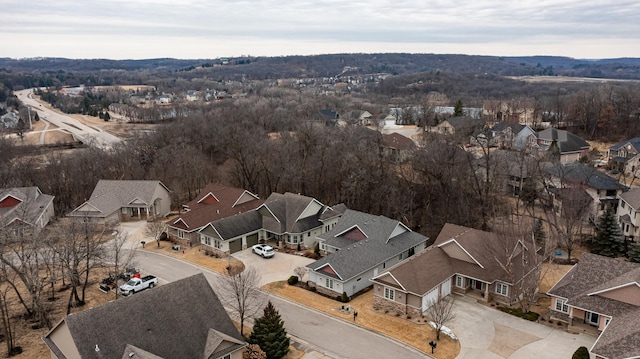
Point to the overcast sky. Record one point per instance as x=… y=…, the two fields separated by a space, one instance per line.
x=136 y=29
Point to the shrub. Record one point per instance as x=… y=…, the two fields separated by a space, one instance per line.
x=344 y=298
x=531 y=316
x=292 y=280
x=313 y=289
x=581 y=353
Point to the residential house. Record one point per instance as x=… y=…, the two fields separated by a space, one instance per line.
x=290 y=219
x=462 y=260
x=627 y=213
x=191 y=95
x=151 y=324
x=515 y=111
x=563 y=144
x=113 y=201
x=164 y=99
x=326 y=117
x=604 y=294
x=510 y=172
x=511 y=136
x=20 y=206
x=396 y=147
x=214 y=202
x=474 y=112
x=461 y=127
x=358 y=117
x=623 y=156
x=603 y=189
x=359 y=247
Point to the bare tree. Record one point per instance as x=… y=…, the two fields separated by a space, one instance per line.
x=155 y=229
x=300 y=272
x=240 y=290
x=118 y=256
x=441 y=312
x=5 y=313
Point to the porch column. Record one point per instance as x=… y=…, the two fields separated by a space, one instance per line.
x=147 y=212
x=139 y=214
x=486 y=292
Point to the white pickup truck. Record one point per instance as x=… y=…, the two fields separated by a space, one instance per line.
x=137 y=284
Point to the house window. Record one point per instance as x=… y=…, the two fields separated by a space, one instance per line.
x=308 y=234
x=606 y=321
x=501 y=289
x=217 y=244
x=124 y=210
x=329 y=283
x=389 y=293
x=622 y=204
x=180 y=233
x=561 y=305
x=459 y=281
x=207 y=241
x=228 y=356
x=400 y=257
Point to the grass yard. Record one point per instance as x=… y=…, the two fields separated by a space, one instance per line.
x=415 y=334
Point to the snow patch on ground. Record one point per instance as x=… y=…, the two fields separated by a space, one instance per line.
x=444 y=330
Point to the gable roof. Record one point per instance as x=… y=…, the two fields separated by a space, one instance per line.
x=397 y=141
x=583 y=285
x=632 y=197
x=424 y=271
x=229 y=201
x=150 y=321
x=110 y=195
x=567 y=141
x=579 y=173
x=234 y=226
x=634 y=142
x=26 y=204
x=282 y=213
x=356 y=256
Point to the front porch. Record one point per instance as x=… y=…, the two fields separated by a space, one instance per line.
x=578 y=326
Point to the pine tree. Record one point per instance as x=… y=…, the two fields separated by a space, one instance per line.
x=634 y=252
x=581 y=353
x=458 y=110
x=608 y=241
x=269 y=333
x=538 y=234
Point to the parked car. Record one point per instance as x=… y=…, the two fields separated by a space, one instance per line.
x=137 y=284
x=263 y=250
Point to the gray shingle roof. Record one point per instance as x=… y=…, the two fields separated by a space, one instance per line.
x=356 y=257
x=579 y=173
x=235 y=226
x=567 y=141
x=632 y=197
x=592 y=274
x=110 y=195
x=287 y=208
x=33 y=206
x=155 y=321
x=635 y=142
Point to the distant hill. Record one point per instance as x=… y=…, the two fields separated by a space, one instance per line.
x=348 y=64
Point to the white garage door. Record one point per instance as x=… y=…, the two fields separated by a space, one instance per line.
x=430 y=298
x=446 y=288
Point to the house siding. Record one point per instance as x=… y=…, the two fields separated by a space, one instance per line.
x=64 y=341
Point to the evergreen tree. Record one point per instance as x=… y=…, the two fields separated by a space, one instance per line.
x=269 y=333
x=458 y=110
x=634 y=252
x=581 y=353
x=608 y=241
x=538 y=234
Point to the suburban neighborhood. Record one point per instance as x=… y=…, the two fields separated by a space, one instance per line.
x=240 y=209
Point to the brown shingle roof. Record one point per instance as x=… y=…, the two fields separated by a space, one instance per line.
x=595 y=273
x=229 y=201
x=421 y=273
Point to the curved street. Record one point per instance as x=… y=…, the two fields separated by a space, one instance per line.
x=88 y=135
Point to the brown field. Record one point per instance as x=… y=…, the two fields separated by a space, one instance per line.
x=565 y=79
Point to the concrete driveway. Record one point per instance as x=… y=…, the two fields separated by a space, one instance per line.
x=279 y=267
x=487 y=333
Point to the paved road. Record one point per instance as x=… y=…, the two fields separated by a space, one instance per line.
x=86 y=134
x=333 y=337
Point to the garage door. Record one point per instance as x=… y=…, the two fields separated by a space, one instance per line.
x=235 y=245
x=446 y=288
x=252 y=239
x=430 y=298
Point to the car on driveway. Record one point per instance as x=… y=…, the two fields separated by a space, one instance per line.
x=263 y=250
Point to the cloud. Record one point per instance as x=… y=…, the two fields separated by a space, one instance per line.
x=331 y=24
